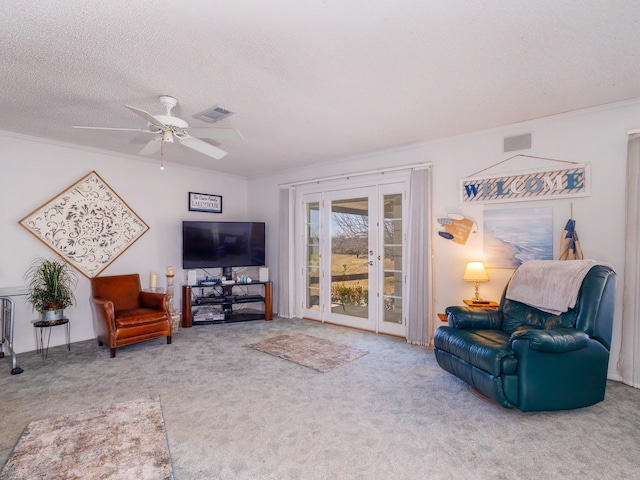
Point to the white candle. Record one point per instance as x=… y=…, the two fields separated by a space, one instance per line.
x=152 y=280
x=169 y=271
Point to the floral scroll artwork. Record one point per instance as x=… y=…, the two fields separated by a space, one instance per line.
x=88 y=224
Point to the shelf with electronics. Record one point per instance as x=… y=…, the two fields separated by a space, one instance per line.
x=217 y=302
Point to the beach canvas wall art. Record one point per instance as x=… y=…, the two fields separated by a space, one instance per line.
x=513 y=236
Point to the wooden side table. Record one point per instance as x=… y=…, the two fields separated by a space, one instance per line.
x=485 y=304
x=474 y=304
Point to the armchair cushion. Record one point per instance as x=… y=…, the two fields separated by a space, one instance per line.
x=138 y=316
x=516 y=314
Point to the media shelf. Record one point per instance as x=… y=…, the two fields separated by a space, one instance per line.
x=211 y=304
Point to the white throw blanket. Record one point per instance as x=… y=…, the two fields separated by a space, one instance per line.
x=549 y=285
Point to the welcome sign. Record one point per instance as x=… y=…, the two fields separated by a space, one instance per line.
x=540 y=184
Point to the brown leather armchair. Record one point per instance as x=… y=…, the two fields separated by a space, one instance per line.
x=124 y=314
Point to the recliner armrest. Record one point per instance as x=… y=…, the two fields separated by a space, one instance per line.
x=557 y=340
x=471 y=317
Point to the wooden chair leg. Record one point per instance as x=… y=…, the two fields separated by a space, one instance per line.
x=113 y=353
x=168 y=339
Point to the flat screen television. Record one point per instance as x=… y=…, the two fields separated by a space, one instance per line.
x=223 y=245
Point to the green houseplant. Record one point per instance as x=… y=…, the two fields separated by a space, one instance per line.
x=50 y=285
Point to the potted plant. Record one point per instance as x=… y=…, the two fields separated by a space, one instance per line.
x=50 y=285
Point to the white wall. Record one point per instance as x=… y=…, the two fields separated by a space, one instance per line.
x=34 y=171
x=597 y=136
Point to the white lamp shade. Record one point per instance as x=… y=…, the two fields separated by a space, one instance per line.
x=475 y=272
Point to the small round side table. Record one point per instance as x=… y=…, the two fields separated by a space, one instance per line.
x=39 y=332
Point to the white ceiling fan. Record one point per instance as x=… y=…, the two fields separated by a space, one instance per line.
x=166 y=128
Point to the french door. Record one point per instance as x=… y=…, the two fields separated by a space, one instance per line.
x=354 y=257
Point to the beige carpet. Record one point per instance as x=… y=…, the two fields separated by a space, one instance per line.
x=123 y=441
x=235 y=413
x=317 y=353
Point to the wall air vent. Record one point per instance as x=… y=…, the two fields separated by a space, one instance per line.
x=214 y=114
x=519 y=142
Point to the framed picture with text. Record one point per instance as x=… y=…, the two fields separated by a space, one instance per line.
x=203 y=202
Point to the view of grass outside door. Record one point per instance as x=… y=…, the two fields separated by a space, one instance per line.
x=350 y=257
x=354 y=262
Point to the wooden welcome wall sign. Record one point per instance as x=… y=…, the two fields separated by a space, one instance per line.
x=539 y=184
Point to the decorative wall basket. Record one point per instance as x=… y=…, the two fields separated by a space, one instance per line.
x=88 y=224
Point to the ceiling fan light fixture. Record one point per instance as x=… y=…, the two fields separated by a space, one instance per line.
x=166 y=128
x=214 y=114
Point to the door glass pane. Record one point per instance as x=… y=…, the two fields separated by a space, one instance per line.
x=349 y=257
x=313 y=256
x=392 y=260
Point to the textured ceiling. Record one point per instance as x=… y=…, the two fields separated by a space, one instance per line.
x=311 y=81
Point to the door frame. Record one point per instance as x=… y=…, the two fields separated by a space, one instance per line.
x=345 y=186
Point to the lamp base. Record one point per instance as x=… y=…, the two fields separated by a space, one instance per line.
x=477 y=298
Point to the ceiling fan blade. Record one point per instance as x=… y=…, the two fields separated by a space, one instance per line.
x=148 y=117
x=152 y=147
x=115 y=128
x=203 y=147
x=215 y=133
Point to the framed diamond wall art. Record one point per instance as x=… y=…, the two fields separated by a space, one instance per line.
x=88 y=224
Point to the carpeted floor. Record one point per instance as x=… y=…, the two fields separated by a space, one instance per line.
x=119 y=442
x=316 y=353
x=234 y=413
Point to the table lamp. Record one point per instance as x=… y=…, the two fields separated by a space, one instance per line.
x=475 y=272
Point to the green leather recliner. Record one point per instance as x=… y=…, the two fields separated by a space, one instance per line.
x=522 y=357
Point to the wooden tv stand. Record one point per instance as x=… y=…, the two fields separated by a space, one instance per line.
x=221 y=300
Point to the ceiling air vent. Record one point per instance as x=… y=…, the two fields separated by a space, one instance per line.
x=214 y=114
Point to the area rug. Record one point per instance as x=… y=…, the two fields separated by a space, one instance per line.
x=317 y=353
x=123 y=441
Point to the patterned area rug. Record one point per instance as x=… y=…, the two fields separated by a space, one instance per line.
x=317 y=353
x=123 y=441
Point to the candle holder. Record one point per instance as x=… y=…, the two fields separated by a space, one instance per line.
x=170 y=292
x=175 y=315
